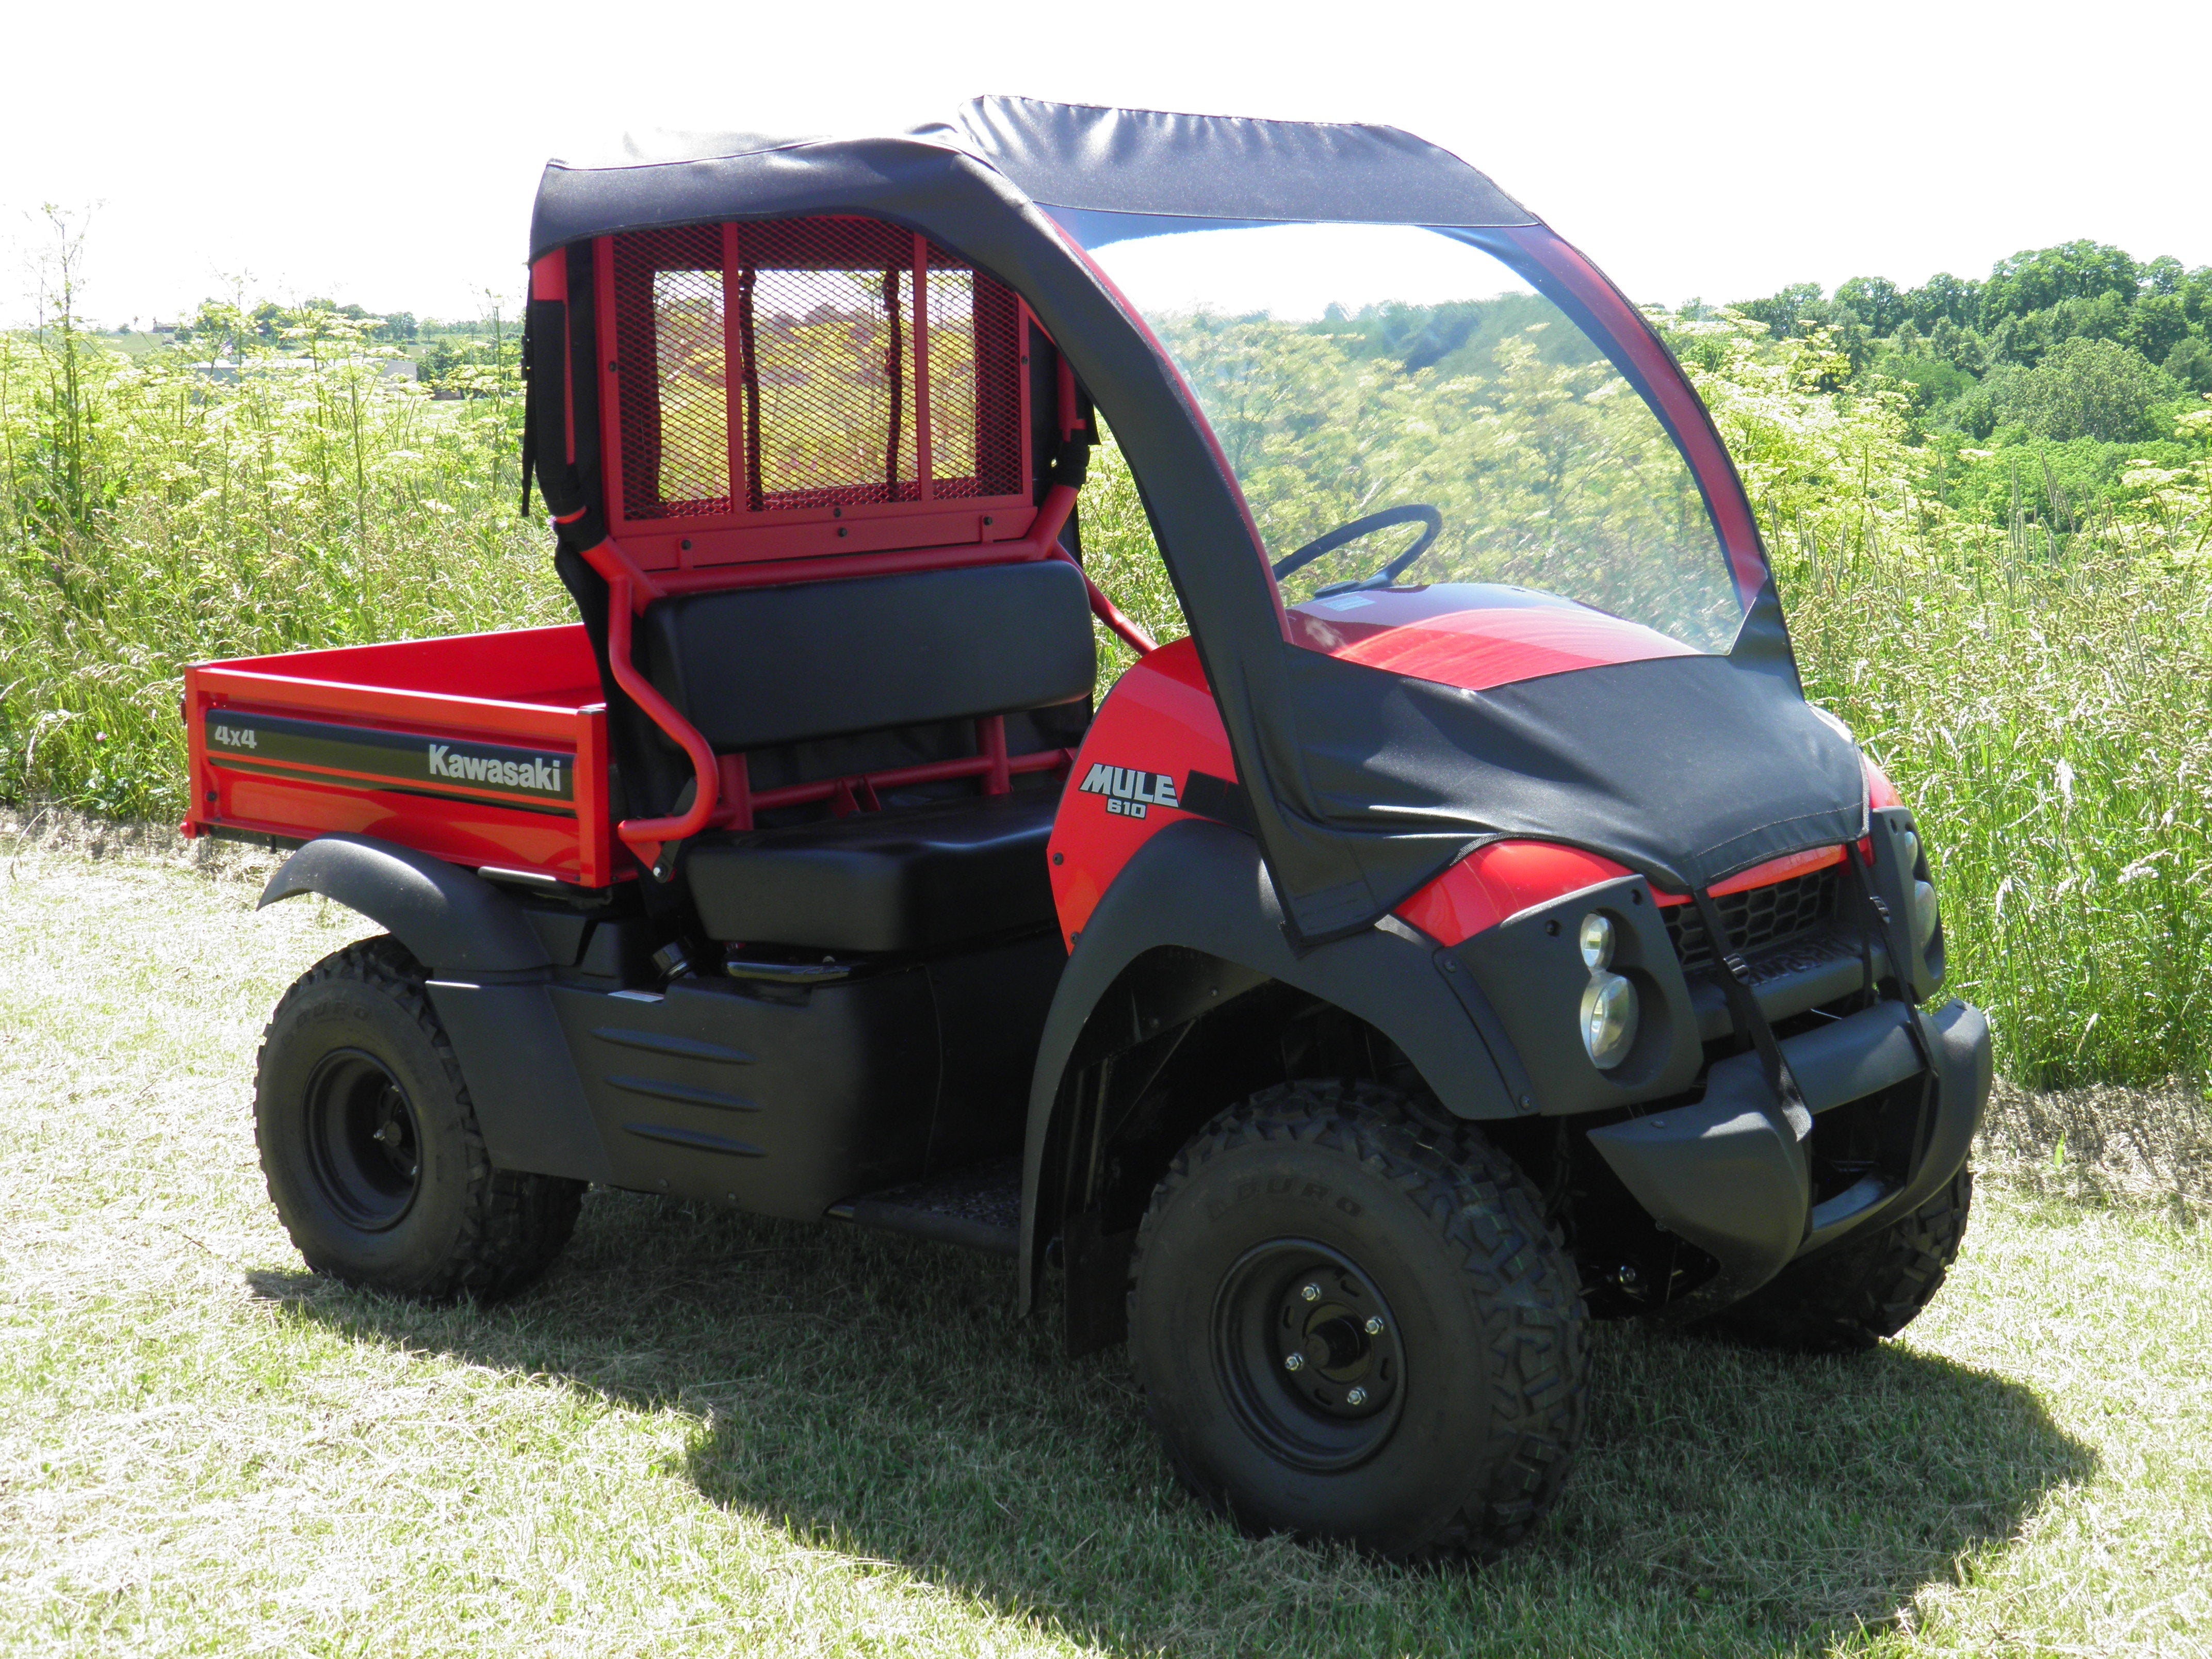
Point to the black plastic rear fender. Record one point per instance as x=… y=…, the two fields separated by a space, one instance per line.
x=1201 y=886
x=454 y=921
x=490 y=982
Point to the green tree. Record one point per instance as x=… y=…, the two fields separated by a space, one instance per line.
x=2156 y=323
x=1962 y=348
x=1944 y=298
x=2037 y=279
x=1876 y=303
x=2098 y=317
x=2190 y=363
x=2022 y=339
x=2085 y=388
x=1929 y=382
x=1797 y=309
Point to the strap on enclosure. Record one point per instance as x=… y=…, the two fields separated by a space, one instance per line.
x=1750 y=1018
x=1884 y=926
x=544 y=416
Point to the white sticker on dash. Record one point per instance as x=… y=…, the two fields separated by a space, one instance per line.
x=1349 y=602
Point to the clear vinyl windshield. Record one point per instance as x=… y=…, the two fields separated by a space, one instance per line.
x=1402 y=410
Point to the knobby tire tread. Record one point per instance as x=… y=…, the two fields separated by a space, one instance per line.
x=513 y=1223
x=1480 y=1206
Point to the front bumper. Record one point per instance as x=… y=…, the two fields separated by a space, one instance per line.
x=1732 y=1175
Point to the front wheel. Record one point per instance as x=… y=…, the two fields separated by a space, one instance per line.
x=1345 y=1329
x=370 y=1146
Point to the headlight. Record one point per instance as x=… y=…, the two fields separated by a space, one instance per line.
x=1596 y=940
x=1608 y=1019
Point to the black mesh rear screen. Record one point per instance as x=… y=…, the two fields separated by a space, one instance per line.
x=852 y=383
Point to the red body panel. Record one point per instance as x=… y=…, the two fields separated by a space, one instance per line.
x=1497 y=882
x=1158 y=722
x=358 y=722
x=1880 y=792
x=1501 y=880
x=1437 y=633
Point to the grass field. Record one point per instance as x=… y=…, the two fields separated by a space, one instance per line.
x=704 y=1434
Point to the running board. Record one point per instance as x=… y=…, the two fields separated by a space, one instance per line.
x=979 y=1207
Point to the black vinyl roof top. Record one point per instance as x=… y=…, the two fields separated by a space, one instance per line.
x=1063 y=155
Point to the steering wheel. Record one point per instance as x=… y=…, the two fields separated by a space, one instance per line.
x=1346 y=533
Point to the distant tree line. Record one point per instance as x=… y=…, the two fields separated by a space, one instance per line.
x=2077 y=341
x=448 y=353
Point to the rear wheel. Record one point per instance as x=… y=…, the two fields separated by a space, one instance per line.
x=370 y=1145
x=1345 y=1328
x=1865 y=1289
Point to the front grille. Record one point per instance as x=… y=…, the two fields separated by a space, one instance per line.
x=1756 y=917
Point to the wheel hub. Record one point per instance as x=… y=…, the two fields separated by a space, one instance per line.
x=1308 y=1354
x=364 y=1147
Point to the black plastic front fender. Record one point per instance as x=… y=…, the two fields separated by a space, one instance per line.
x=1201 y=886
x=490 y=981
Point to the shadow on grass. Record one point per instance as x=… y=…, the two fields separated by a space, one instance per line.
x=879 y=1398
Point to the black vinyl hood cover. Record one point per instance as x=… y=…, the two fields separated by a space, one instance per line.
x=1687 y=769
x=1364 y=784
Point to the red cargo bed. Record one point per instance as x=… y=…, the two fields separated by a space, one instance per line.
x=488 y=750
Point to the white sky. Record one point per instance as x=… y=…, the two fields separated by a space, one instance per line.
x=387 y=155
x=1297 y=271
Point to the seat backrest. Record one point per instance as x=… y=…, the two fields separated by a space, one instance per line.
x=755 y=667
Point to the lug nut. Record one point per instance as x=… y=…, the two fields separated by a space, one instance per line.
x=1294 y=1362
x=1312 y=1293
x=1374 y=1325
x=1356 y=1397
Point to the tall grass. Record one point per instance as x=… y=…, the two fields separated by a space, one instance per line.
x=160 y=511
x=2042 y=696
x=2052 y=726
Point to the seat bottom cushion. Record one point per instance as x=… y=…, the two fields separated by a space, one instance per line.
x=917 y=879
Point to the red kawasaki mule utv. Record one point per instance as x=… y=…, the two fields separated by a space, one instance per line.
x=1469 y=929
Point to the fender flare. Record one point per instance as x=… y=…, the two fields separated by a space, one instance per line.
x=1203 y=886
x=457 y=923
x=490 y=981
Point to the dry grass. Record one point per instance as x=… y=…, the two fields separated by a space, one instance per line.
x=2143 y=1149
x=707 y=1434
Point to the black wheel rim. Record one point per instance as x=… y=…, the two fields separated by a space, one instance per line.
x=363 y=1145
x=1309 y=1354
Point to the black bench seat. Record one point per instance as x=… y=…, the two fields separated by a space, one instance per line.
x=918 y=879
